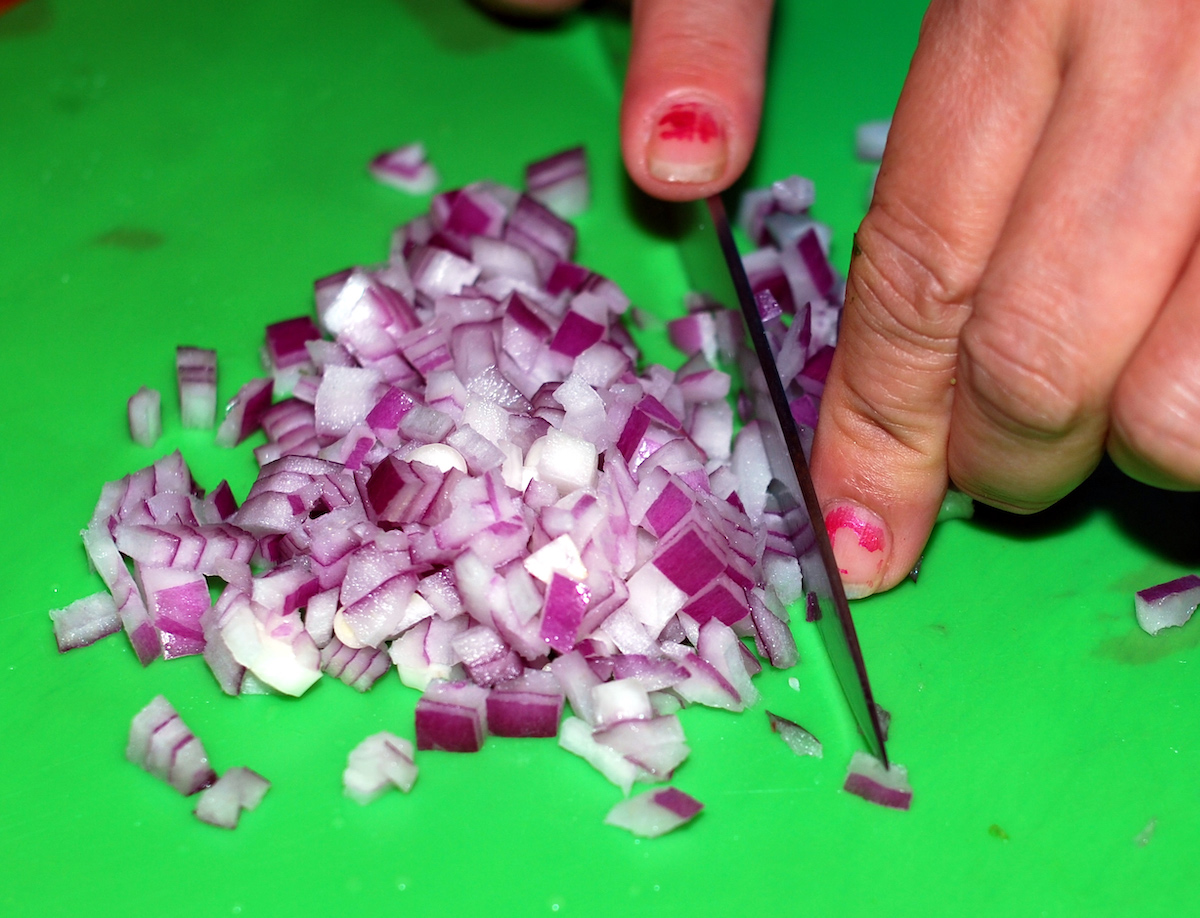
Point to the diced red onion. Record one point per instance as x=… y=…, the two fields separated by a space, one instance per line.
x=243 y=416
x=473 y=479
x=560 y=182
x=196 y=375
x=867 y=778
x=452 y=716
x=528 y=705
x=654 y=812
x=575 y=736
x=85 y=621
x=1167 y=605
x=161 y=743
x=380 y=762
x=145 y=417
x=870 y=138
x=238 y=789
x=799 y=740
x=406 y=168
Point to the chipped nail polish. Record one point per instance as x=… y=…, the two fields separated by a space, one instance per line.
x=687 y=145
x=860 y=544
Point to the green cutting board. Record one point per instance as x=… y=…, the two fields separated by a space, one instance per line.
x=178 y=173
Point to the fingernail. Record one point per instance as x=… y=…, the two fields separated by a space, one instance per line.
x=861 y=544
x=687 y=145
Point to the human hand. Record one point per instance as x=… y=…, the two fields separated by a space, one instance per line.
x=1025 y=291
x=693 y=91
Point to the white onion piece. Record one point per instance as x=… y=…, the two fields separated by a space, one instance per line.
x=560 y=182
x=558 y=556
x=275 y=649
x=238 y=789
x=654 y=812
x=85 y=621
x=656 y=745
x=380 y=762
x=145 y=416
x=870 y=138
x=575 y=736
x=439 y=455
x=196 y=375
x=620 y=700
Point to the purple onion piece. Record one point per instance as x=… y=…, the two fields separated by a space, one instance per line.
x=196 y=375
x=867 y=778
x=655 y=812
x=1167 y=605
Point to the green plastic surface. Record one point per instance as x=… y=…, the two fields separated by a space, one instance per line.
x=178 y=173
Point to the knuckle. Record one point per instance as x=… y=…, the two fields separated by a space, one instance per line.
x=1025 y=377
x=1160 y=425
x=905 y=277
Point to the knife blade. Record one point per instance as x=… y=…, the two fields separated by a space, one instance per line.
x=714 y=269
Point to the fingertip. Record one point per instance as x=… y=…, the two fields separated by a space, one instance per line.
x=693 y=94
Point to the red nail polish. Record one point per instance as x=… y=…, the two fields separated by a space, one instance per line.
x=843 y=516
x=861 y=545
x=691 y=123
x=687 y=145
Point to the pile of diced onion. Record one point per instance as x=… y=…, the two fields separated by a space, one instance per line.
x=468 y=479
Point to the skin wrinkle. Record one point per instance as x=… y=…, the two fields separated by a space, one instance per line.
x=1016 y=366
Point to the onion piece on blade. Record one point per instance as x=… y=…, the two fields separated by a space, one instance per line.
x=1167 y=605
x=867 y=778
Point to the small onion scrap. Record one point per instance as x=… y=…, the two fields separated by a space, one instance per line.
x=654 y=812
x=381 y=761
x=406 y=168
x=867 y=778
x=145 y=416
x=1167 y=605
x=238 y=789
x=799 y=740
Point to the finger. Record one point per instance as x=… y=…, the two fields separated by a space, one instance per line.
x=981 y=85
x=693 y=93
x=1155 y=431
x=530 y=8
x=1098 y=235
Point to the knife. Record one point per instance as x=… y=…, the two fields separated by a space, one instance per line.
x=714 y=268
